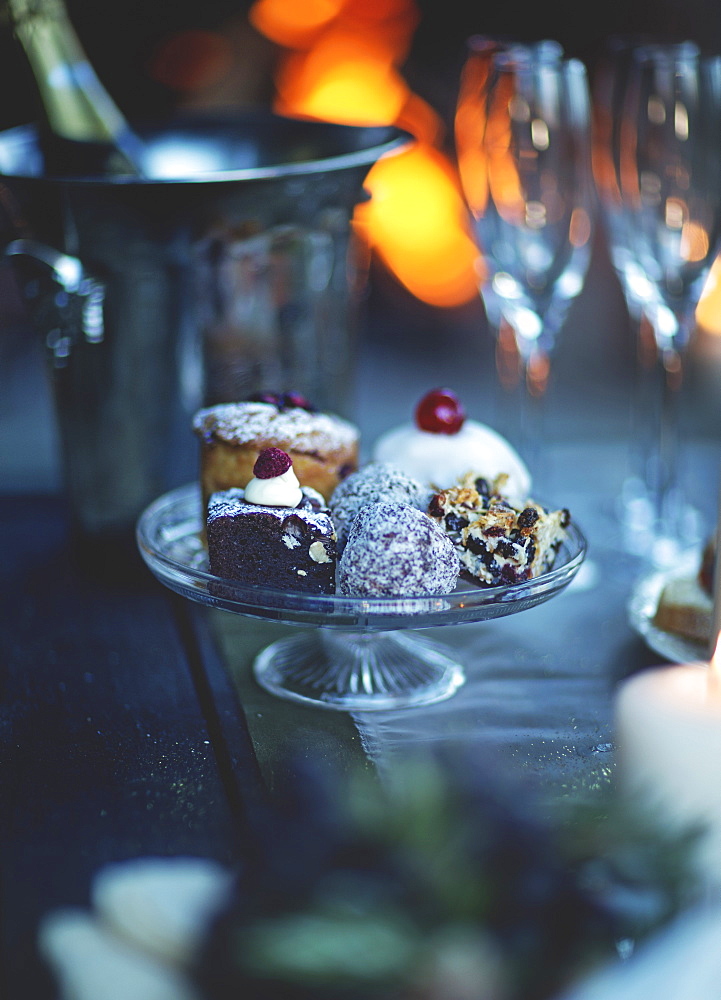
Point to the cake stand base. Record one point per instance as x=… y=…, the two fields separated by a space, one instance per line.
x=358 y=671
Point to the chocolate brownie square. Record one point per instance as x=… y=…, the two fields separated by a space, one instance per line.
x=286 y=548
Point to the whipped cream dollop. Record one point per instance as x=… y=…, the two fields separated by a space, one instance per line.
x=279 y=491
x=439 y=460
x=274 y=483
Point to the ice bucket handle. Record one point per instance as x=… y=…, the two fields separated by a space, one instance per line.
x=78 y=291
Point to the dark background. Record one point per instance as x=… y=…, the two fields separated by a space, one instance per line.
x=122 y=40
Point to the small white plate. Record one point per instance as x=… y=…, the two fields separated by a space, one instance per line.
x=642 y=608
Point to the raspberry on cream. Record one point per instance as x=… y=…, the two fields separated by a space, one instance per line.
x=274 y=483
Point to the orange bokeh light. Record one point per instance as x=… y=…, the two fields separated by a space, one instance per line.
x=424 y=241
x=708 y=311
x=343 y=78
x=470 y=126
x=342 y=64
x=291 y=24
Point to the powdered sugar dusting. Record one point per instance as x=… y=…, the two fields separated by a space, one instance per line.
x=374 y=482
x=395 y=550
x=227 y=503
x=243 y=423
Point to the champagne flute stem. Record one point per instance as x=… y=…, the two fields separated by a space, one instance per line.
x=667 y=485
x=659 y=522
x=522 y=379
x=643 y=422
x=662 y=462
x=533 y=424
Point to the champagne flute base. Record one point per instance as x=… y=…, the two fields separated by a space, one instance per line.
x=660 y=531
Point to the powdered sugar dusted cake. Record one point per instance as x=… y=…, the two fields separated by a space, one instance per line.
x=323 y=447
x=372 y=483
x=274 y=533
x=286 y=548
x=395 y=550
x=498 y=541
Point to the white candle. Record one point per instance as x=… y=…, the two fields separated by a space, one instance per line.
x=668 y=734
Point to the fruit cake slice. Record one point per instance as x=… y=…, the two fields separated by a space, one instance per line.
x=498 y=541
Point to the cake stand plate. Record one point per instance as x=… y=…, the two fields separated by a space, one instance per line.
x=361 y=654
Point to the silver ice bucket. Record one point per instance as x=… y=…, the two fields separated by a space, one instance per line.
x=228 y=269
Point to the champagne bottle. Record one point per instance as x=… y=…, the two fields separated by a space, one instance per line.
x=87 y=131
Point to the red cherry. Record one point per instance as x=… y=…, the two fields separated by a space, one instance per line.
x=440 y=412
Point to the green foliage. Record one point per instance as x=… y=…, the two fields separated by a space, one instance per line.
x=434 y=885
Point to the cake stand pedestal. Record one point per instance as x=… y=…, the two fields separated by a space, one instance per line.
x=358 y=671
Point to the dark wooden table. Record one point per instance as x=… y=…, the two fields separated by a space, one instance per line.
x=122 y=735
x=123 y=732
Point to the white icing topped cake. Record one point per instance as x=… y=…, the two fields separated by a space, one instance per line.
x=440 y=460
x=243 y=423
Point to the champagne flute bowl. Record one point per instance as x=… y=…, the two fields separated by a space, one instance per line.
x=523 y=142
x=669 y=156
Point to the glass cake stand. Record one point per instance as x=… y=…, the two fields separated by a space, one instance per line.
x=362 y=654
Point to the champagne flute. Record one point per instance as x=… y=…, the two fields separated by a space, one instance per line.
x=608 y=92
x=610 y=80
x=669 y=156
x=523 y=140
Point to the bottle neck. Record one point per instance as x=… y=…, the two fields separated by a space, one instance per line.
x=78 y=108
